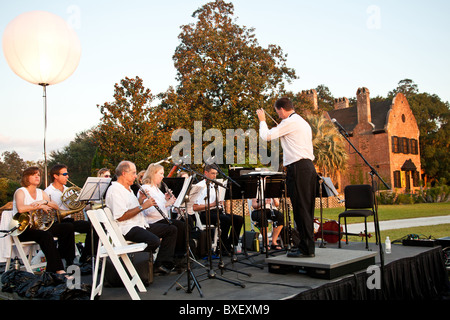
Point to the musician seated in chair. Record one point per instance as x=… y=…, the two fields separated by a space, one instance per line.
x=271 y=213
x=30 y=198
x=152 y=180
x=127 y=211
x=59 y=176
x=201 y=206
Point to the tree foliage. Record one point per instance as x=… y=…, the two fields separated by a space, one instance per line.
x=224 y=74
x=77 y=156
x=329 y=146
x=12 y=166
x=130 y=128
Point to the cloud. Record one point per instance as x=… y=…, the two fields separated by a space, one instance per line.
x=31 y=149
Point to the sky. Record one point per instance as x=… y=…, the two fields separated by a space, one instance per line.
x=343 y=45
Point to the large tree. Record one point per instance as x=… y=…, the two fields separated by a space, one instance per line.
x=77 y=156
x=224 y=74
x=329 y=147
x=130 y=128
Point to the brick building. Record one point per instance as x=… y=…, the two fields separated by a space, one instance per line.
x=386 y=134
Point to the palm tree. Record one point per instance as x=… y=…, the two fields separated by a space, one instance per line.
x=329 y=147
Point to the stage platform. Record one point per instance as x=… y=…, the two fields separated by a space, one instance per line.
x=327 y=263
x=418 y=271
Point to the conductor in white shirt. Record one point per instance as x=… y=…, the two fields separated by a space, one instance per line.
x=296 y=140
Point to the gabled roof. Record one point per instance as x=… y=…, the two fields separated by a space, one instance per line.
x=348 y=117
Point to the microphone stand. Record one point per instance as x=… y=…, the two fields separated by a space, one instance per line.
x=233 y=253
x=211 y=273
x=372 y=173
x=188 y=271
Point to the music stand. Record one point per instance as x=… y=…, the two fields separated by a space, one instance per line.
x=273 y=185
x=175 y=184
x=94 y=190
x=247 y=189
x=325 y=188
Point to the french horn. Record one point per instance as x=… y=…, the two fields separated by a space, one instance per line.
x=70 y=196
x=37 y=220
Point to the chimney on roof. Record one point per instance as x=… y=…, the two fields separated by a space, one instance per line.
x=363 y=105
x=311 y=95
x=341 y=103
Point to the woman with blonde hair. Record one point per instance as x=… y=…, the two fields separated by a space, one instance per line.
x=151 y=184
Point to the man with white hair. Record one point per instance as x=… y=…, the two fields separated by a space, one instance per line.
x=126 y=209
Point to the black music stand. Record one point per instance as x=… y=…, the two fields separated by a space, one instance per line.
x=175 y=184
x=211 y=273
x=94 y=189
x=273 y=185
x=183 y=198
x=247 y=189
x=324 y=188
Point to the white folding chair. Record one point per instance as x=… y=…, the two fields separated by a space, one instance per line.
x=11 y=247
x=152 y=256
x=212 y=229
x=112 y=244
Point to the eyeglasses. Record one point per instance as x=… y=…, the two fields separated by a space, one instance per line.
x=64 y=174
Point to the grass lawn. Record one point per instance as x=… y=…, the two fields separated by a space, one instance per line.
x=386 y=212
x=394 y=212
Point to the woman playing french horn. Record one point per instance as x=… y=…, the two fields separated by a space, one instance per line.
x=30 y=198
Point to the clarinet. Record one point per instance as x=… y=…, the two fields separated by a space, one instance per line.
x=166 y=188
x=156 y=206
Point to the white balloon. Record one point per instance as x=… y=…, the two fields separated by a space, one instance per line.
x=40 y=47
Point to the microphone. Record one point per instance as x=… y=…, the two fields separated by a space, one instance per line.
x=182 y=160
x=164 y=160
x=341 y=128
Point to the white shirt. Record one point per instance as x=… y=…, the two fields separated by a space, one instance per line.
x=119 y=199
x=295 y=135
x=28 y=199
x=201 y=199
x=151 y=214
x=55 y=195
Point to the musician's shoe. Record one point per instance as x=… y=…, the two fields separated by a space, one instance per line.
x=299 y=254
x=163 y=270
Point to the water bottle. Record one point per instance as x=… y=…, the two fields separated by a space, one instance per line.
x=239 y=248
x=256 y=244
x=387 y=245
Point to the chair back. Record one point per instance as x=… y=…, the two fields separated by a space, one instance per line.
x=115 y=226
x=101 y=223
x=358 y=196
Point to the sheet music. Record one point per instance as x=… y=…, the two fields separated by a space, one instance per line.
x=181 y=196
x=330 y=186
x=94 y=188
x=222 y=190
